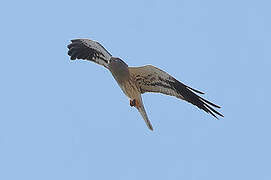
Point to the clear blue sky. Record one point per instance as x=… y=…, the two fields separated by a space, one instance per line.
x=69 y=120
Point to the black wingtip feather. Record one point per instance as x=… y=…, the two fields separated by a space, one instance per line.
x=208 y=102
x=78 y=51
x=75 y=40
x=196 y=100
x=197 y=91
x=211 y=110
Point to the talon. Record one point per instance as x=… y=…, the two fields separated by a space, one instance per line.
x=132 y=102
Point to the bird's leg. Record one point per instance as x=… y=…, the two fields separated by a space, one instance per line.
x=132 y=102
x=135 y=103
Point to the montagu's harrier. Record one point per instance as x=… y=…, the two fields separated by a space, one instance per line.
x=135 y=81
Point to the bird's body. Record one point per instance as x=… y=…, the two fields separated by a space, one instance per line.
x=121 y=73
x=135 y=81
x=128 y=85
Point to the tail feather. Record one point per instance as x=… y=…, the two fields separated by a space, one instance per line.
x=143 y=113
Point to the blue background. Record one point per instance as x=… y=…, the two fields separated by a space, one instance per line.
x=69 y=120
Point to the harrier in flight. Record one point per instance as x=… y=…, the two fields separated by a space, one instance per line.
x=135 y=81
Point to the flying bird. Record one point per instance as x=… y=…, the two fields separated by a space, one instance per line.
x=135 y=81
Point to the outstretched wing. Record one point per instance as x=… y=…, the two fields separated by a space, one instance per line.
x=89 y=50
x=152 y=79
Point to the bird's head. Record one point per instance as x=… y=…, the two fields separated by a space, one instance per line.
x=117 y=62
x=118 y=68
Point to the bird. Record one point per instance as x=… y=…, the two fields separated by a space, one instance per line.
x=135 y=81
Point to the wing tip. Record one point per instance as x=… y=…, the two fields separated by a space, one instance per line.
x=211 y=111
x=197 y=91
x=190 y=95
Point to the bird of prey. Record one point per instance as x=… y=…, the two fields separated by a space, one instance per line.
x=135 y=81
